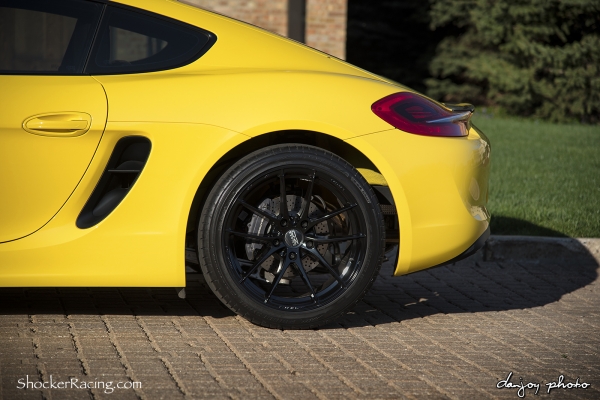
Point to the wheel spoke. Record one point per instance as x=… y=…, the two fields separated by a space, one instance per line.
x=283 y=210
x=344 y=255
x=286 y=264
x=261 y=260
x=330 y=215
x=324 y=262
x=306 y=279
x=251 y=236
x=259 y=212
x=336 y=239
x=326 y=228
x=308 y=196
x=244 y=263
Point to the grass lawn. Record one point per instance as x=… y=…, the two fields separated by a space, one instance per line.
x=545 y=178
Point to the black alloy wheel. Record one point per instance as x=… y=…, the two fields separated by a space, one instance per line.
x=291 y=236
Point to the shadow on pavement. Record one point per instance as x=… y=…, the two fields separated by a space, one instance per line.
x=502 y=225
x=509 y=273
x=114 y=301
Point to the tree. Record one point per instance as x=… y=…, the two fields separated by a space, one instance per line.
x=532 y=57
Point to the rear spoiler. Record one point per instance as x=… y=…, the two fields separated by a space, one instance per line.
x=464 y=112
x=461 y=107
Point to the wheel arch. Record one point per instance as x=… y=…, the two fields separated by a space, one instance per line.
x=318 y=139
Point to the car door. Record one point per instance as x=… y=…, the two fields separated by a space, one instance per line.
x=51 y=115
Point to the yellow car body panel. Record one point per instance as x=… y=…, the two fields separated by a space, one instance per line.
x=250 y=83
x=38 y=179
x=248 y=102
x=440 y=191
x=142 y=243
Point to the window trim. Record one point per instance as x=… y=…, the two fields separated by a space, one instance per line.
x=212 y=38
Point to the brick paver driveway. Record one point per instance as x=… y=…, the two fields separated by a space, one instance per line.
x=450 y=332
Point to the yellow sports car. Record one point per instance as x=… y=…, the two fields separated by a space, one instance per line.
x=137 y=133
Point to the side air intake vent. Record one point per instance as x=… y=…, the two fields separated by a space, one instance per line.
x=123 y=168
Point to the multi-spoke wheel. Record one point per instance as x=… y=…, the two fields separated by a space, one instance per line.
x=291 y=237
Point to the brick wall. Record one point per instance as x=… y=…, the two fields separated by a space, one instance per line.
x=268 y=14
x=325 y=19
x=326 y=26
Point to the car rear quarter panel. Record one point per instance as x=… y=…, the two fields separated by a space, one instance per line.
x=249 y=102
x=440 y=187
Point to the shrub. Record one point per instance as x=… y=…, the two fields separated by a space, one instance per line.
x=531 y=57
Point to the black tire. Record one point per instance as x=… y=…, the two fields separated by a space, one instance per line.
x=299 y=270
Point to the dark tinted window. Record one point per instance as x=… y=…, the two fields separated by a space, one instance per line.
x=129 y=41
x=46 y=37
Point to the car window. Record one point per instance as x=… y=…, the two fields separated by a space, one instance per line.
x=131 y=41
x=46 y=37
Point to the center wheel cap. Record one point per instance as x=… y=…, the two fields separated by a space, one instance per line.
x=294 y=238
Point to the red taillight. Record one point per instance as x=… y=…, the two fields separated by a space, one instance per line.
x=413 y=113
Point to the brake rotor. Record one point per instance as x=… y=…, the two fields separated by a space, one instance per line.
x=259 y=226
